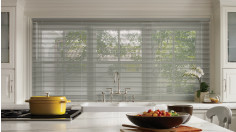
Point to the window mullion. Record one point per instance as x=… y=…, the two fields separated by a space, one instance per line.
x=147 y=63
x=91 y=64
x=173 y=64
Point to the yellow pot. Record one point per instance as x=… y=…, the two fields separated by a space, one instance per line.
x=47 y=105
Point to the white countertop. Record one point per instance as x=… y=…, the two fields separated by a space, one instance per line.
x=196 y=106
x=92 y=122
x=199 y=106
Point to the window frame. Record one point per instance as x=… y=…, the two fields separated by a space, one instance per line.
x=142 y=52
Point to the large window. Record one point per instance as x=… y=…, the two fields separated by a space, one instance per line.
x=78 y=59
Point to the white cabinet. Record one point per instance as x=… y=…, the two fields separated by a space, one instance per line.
x=7 y=37
x=233 y=121
x=226 y=75
x=229 y=85
x=202 y=114
x=7 y=55
x=14 y=44
x=7 y=86
x=228 y=37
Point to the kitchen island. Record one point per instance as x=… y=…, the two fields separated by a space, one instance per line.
x=93 y=122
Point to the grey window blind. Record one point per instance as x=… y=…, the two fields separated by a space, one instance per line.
x=77 y=59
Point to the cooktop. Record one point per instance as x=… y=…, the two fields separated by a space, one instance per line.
x=24 y=115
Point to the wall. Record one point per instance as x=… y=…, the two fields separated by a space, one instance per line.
x=95 y=9
x=119 y=8
x=227 y=2
x=217 y=41
x=19 y=53
x=123 y=9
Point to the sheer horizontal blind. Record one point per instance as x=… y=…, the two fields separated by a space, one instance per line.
x=78 y=59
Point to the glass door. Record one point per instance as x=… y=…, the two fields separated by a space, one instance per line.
x=7 y=37
x=228 y=35
x=231 y=36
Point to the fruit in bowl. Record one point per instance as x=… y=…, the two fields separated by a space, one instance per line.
x=161 y=120
x=158 y=113
x=182 y=108
x=214 y=100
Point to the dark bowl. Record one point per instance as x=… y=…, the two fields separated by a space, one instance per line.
x=182 y=108
x=158 y=122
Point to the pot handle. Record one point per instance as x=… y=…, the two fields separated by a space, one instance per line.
x=68 y=101
x=26 y=100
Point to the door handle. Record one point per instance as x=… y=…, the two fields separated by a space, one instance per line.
x=11 y=87
x=225 y=86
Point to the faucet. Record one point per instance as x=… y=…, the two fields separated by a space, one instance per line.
x=126 y=91
x=133 y=98
x=111 y=93
x=117 y=79
x=103 y=97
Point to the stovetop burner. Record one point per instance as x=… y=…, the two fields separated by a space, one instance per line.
x=13 y=113
x=24 y=114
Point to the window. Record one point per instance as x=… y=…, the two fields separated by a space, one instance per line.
x=77 y=59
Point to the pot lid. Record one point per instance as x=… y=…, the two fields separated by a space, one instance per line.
x=47 y=97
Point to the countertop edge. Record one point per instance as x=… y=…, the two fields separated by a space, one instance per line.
x=196 y=106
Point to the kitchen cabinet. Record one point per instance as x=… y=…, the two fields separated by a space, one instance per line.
x=225 y=55
x=233 y=121
x=7 y=54
x=228 y=37
x=229 y=85
x=7 y=86
x=7 y=36
x=202 y=114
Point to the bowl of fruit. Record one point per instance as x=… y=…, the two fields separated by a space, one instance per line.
x=182 y=108
x=159 y=119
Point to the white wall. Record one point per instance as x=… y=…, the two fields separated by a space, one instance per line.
x=125 y=9
x=119 y=8
x=19 y=55
x=216 y=42
x=227 y=2
x=95 y=9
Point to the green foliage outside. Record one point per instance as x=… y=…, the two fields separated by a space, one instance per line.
x=173 y=51
x=108 y=44
x=73 y=48
x=177 y=47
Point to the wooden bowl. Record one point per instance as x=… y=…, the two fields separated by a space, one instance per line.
x=182 y=108
x=157 y=122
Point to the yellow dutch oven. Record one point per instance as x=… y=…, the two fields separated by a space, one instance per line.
x=47 y=105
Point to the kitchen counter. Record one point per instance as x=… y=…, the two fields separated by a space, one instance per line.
x=196 y=106
x=92 y=122
x=205 y=106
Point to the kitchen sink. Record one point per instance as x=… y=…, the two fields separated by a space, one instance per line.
x=120 y=106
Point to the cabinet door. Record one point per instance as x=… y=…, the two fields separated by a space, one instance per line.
x=7 y=86
x=233 y=121
x=229 y=37
x=7 y=37
x=229 y=85
x=200 y=114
